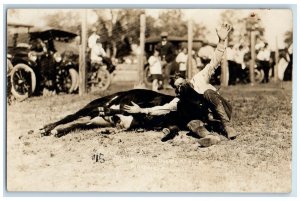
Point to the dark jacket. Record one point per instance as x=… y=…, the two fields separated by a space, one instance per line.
x=166 y=51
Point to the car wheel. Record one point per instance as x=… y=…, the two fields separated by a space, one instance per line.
x=258 y=75
x=101 y=81
x=23 y=81
x=147 y=77
x=74 y=79
x=76 y=86
x=66 y=80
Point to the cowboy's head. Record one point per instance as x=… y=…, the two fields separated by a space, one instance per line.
x=178 y=83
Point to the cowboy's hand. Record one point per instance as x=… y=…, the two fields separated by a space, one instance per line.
x=132 y=109
x=223 y=31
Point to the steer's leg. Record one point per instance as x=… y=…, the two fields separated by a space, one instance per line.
x=81 y=122
x=170 y=133
x=84 y=112
x=70 y=118
x=61 y=129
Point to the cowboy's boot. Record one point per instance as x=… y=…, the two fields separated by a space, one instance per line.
x=197 y=127
x=209 y=140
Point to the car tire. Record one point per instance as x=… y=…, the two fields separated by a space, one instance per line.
x=147 y=76
x=77 y=82
x=258 y=75
x=102 y=81
x=66 y=80
x=74 y=80
x=23 y=81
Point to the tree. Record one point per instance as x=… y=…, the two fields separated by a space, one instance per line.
x=121 y=24
x=66 y=20
x=151 y=29
x=200 y=31
x=172 y=22
x=242 y=26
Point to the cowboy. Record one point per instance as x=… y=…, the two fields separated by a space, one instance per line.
x=202 y=94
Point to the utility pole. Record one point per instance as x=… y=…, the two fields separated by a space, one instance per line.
x=276 y=61
x=82 y=55
x=190 y=45
x=253 y=55
x=142 y=48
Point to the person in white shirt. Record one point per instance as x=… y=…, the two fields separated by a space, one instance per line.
x=205 y=53
x=242 y=50
x=240 y=63
x=263 y=58
x=155 y=68
x=93 y=38
x=98 y=55
x=181 y=59
x=207 y=96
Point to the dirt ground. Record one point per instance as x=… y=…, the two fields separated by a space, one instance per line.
x=259 y=160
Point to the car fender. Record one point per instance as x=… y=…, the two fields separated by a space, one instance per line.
x=28 y=62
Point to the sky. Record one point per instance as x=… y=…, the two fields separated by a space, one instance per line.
x=275 y=21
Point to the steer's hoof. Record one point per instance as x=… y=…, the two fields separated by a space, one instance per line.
x=54 y=132
x=44 y=133
x=209 y=140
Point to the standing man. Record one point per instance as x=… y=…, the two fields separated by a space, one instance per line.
x=167 y=53
x=203 y=95
x=263 y=58
x=288 y=74
x=98 y=55
x=93 y=38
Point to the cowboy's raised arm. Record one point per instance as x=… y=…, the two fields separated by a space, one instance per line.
x=210 y=68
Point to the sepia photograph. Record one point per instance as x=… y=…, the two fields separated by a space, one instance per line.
x=149 y=99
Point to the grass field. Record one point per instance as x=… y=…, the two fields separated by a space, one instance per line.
x=259 y=160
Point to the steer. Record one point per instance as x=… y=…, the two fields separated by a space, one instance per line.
x=93 y=113
x=108 y=111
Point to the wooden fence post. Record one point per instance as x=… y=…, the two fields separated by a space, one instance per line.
x=82 y=53
x=142 y=49
x=253 y=56
x=190 y=46
x=276 y=62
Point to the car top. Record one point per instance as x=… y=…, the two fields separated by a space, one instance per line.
x=46 y=33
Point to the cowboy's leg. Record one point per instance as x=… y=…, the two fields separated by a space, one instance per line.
x=221 y=110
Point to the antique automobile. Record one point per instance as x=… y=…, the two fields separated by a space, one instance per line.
x=45 y=59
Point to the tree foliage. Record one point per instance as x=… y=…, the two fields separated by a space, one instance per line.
x=288 y=38
x=67 y=20
x=242 y=26
x=116 y=26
